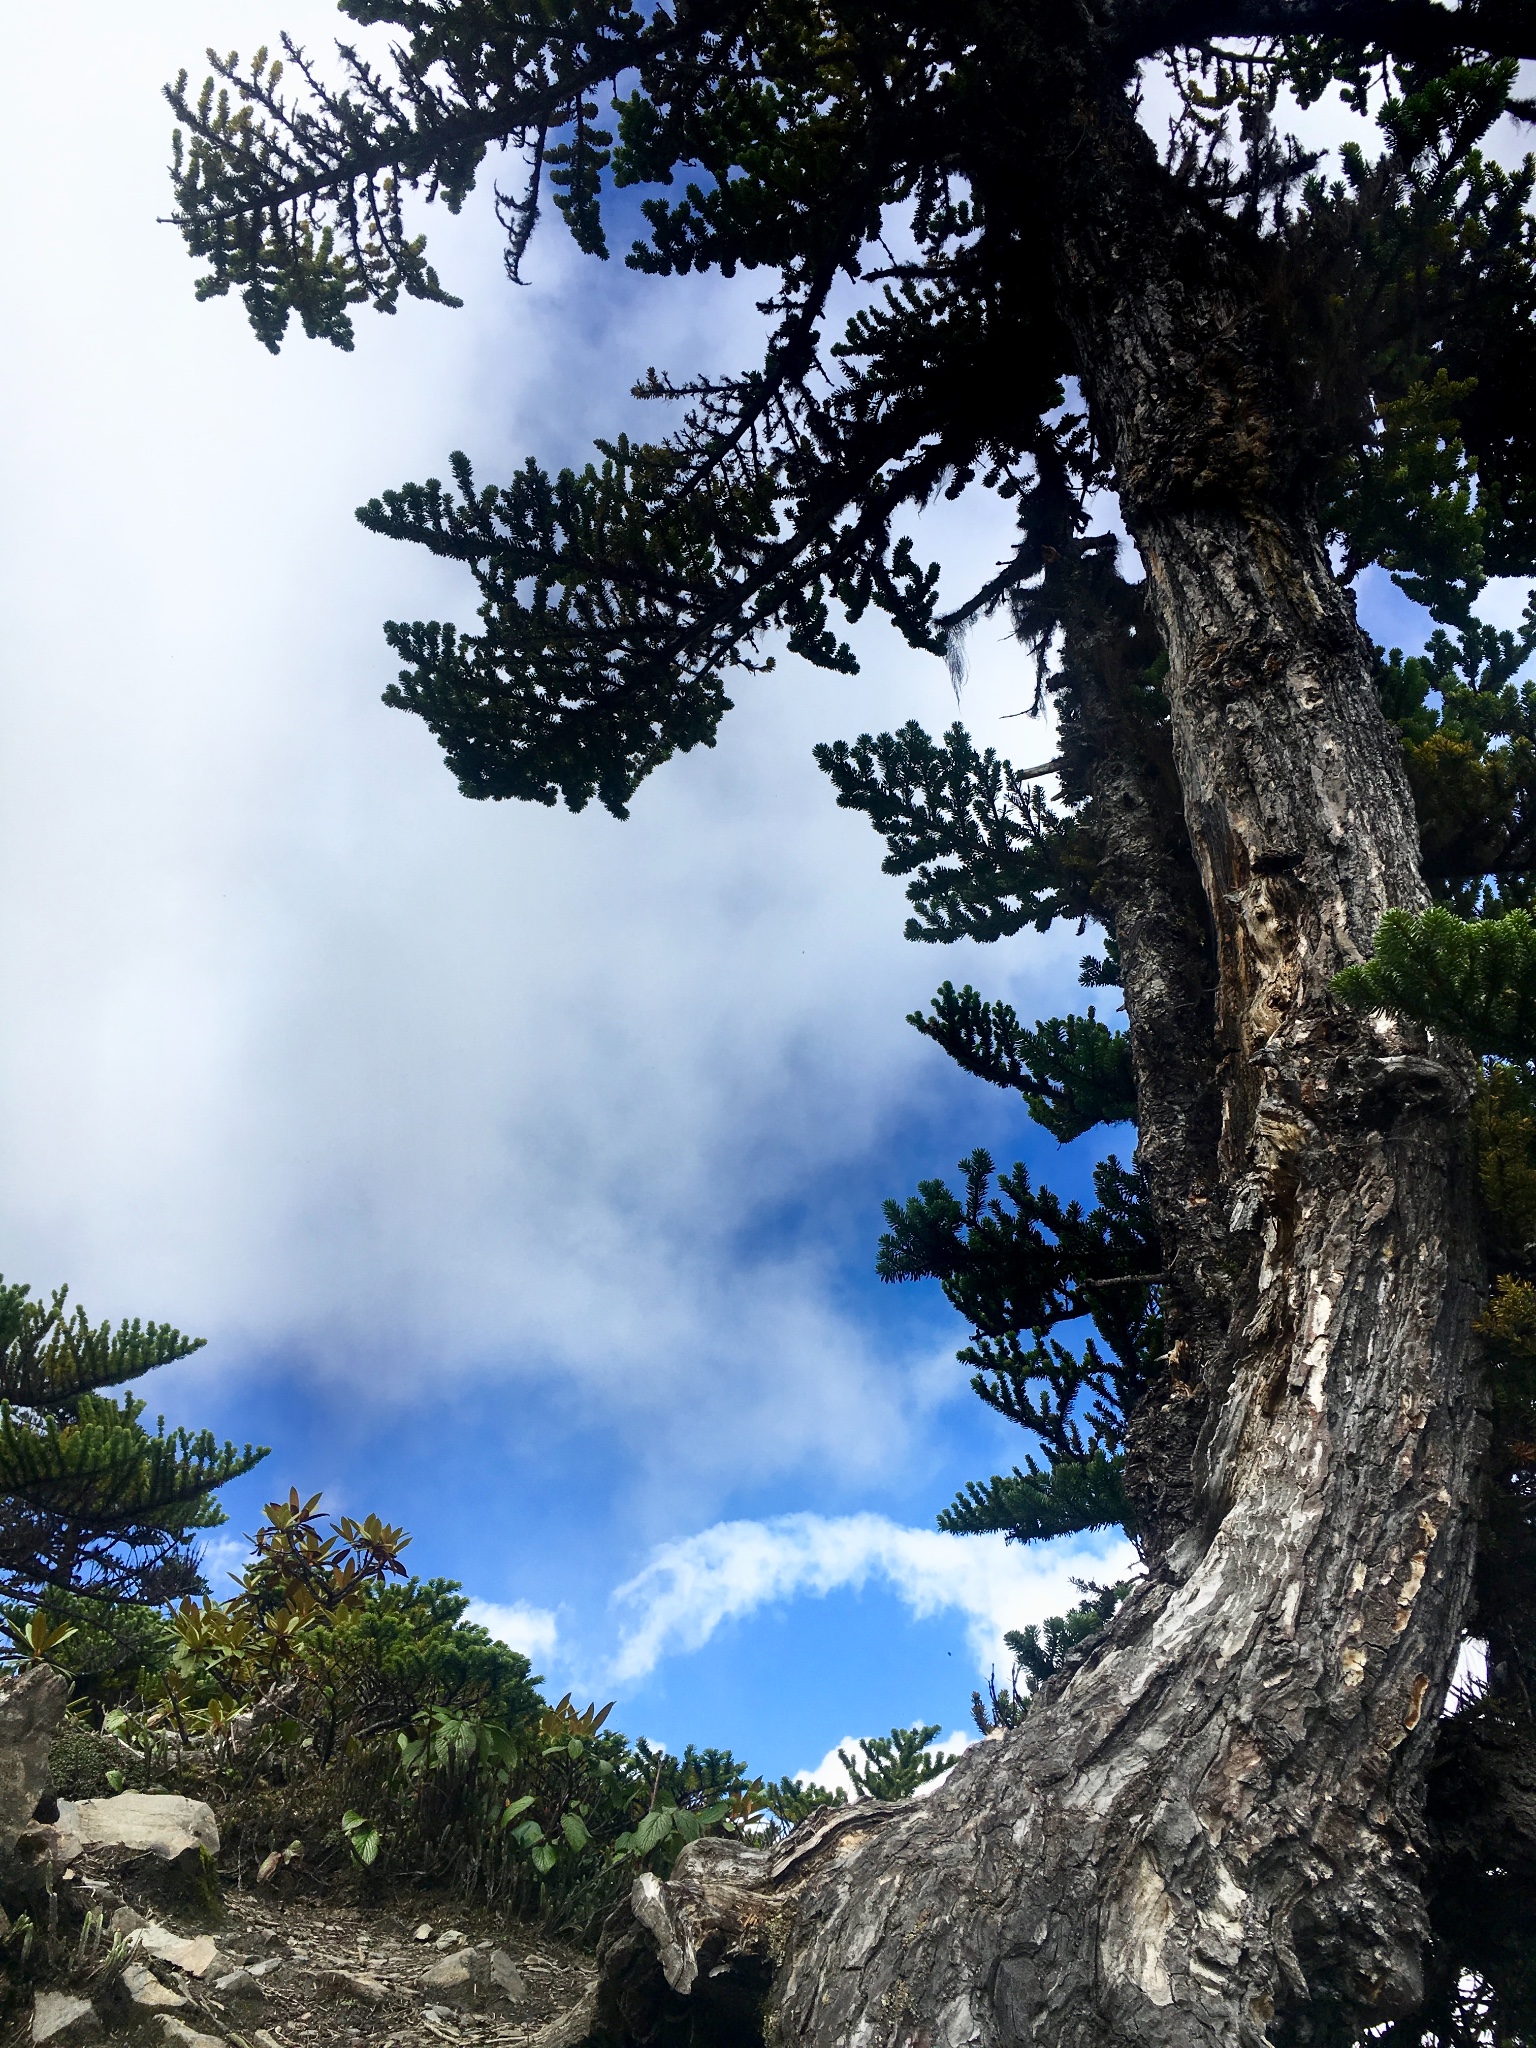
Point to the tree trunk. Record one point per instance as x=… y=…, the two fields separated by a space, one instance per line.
x=1211 y=1831
x=1116 y=754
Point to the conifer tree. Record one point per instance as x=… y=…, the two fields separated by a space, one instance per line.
x=1232 y=1813
x=92 y=1506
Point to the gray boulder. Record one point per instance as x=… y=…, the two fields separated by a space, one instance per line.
x=506 y=1978
x=178 y=2035
x=152 y=1823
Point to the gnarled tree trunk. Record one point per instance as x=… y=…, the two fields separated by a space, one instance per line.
x=1210 y=1831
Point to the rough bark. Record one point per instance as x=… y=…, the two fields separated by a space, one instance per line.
x=1121 y=756
x=1212 y=1830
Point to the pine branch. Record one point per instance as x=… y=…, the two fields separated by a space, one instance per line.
x=1477 y=980
x=1073 y=1072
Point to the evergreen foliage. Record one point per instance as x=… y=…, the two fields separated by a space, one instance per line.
x=895 y=1766
x=1476 y=979
x=91 y=1504
x=1016 y=1265
x=1073 y=1072
x=989 y=855
x=1042 y=1652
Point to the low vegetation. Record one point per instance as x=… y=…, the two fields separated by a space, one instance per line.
x=345 y=1720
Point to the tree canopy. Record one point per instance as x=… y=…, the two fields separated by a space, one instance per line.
x=91 y=1503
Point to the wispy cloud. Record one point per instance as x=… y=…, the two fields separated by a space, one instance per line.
x=691 y=1587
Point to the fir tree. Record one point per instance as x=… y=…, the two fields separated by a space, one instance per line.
x=1209 y=1826
x=95 y=1510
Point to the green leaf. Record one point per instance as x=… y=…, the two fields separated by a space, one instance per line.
x=574 y=1829
x=655 y=1827
x=516 y=1807
x=544 y=1859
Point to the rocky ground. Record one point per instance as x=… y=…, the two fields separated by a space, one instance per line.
x=122 y=1928
x=318 y=1973
x=289 y=1973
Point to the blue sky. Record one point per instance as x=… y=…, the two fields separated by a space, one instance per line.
x=522 y=1170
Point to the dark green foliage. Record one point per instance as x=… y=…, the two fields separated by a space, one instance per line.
x=407 y=1653
x=1420 y=279
x=1080 y=1492
x=1041 y=1652
x=1477 y=980
x=90 y=1502
x=112 y=1648
x=1073 y=1072
x=989 y=855
x=793 y=1802
x=1024 y=1260
x=1404 y=291
x=571 y=691
x=894 y=1766
x=1469 y=739
x=1016 y=1264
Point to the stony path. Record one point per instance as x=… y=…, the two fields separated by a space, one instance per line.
x=290 y=1973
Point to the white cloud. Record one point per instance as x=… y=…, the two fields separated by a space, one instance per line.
x=533 y=1630
x=224 y=1558
x=314 y=1057
x=691 y=1587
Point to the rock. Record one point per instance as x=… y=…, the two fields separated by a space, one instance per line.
x=61 y=2018
x=423 y=1932
x=505 y=1975
x=183 y=2036
x=144 y=1991
x=126 y=1921
x=196 y=1955
x=355 y=1984
x=239 y=1984
x=155 y=1847
x=449 y=1938
x=158 y=1823
x=31 y=1709
x=458 y=1979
